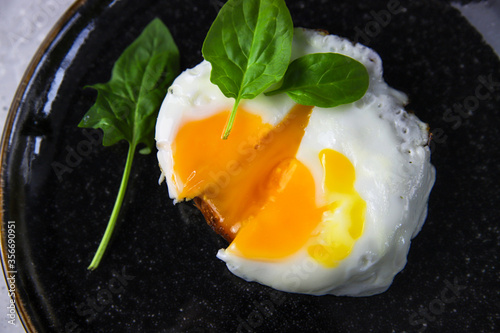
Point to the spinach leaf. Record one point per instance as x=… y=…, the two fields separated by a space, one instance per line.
x=249 y=47
x=127 y=106
x=325 y=80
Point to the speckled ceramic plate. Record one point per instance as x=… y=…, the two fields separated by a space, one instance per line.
x=160 y=273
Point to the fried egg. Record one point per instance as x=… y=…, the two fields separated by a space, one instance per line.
x=312 y=200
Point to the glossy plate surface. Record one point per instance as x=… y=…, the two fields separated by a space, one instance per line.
x=160 y=273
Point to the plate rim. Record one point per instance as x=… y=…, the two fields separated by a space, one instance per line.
x=42 y=49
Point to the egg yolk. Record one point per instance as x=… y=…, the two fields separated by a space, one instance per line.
x=343 y=221
x=255 y=193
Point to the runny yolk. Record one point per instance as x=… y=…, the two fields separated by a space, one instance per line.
x=261 y=197
x=343 y=222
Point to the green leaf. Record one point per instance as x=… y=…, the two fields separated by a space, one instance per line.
x=249 y=46
x=325 y=80
x=127 y=106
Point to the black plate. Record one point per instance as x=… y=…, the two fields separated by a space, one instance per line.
x=160 y=273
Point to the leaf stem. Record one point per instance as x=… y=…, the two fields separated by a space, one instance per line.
x=116 y=210
x=230 y=120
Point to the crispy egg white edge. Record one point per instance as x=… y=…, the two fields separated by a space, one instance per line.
x=394 y=180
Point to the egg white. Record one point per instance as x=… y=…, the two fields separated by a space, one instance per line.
x=386 y=145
